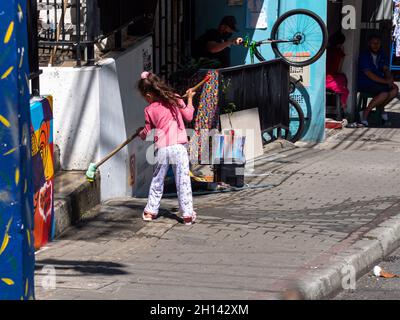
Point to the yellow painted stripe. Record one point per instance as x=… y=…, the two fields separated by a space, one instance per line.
x=5 y=121
x=7 y=73
x=17 y=174
x=28 y=233
x=9 y=152
x=9 y=32
x=26 y=287
x=9 y=224
x=4 y=245
x=8 y=281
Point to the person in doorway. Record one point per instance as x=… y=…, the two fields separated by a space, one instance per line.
x=215 y=44
x=167 y=114
x=375 y=78
x=336 y=81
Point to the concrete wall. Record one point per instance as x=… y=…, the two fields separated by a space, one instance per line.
x=76 y=113
x=95 y=110
x=122 y=112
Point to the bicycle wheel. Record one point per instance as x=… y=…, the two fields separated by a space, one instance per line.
x=300 y=37
x=296 y=126
x=258 y=55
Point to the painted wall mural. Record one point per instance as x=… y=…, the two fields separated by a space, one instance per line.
x=43 y=169
x=16 y=195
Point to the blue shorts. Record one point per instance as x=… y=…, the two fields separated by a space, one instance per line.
x=375 y=89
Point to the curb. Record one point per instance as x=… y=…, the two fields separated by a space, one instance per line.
x=71 y=203
x=363 y=255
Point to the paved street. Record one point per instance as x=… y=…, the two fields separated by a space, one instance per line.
x=309 y=207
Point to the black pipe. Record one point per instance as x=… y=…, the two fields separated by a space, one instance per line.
x=92 y=19
x=33 y=50
x=78 y=34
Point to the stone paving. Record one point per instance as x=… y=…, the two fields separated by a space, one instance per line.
x=306 y=206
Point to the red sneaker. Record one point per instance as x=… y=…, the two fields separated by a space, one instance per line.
x=188 y=221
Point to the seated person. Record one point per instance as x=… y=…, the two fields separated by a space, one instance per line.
x=215 y=44
x=374 y=77
x=336 y=81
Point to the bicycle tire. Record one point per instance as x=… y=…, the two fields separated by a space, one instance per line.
x=274 y=133
x=274 y=36
x=258 y=55
x=299 y=134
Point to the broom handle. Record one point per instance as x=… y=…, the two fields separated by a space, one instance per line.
x=198 y=85
x=118 y=149
x=133 y=137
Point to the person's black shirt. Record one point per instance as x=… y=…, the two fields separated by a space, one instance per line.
x=201 y=51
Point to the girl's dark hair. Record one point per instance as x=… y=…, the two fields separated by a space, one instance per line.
x=161 y=91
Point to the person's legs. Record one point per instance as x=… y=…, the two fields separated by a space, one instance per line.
x=392 y=94
x=157 y=185
x=338 y=84
x=180 y=161
x=376 y=102
x=381 y=93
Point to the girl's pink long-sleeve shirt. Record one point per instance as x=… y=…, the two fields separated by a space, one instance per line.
x=168 y=123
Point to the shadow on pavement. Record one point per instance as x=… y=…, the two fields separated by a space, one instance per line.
x=83 y=267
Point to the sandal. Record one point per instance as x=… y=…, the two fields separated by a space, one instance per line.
x=149 y=216
x=352 y=125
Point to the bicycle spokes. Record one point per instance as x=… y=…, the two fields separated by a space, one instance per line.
x=299 y=37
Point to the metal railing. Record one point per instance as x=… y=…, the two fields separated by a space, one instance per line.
x=71 y=29
x=75 y=26
x=173 y=34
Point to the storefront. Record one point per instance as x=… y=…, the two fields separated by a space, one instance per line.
x=359 y=19
x=255 y=20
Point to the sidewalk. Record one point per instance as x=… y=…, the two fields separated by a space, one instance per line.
x=326 y=207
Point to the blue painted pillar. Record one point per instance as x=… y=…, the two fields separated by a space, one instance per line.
x=312 y=98
x=16 y=196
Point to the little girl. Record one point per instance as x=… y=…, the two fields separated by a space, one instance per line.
x=166 y=115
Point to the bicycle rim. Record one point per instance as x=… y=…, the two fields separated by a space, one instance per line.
x=310 y=33
x=296 y=122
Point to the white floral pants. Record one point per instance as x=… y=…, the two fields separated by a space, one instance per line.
x=177 y=156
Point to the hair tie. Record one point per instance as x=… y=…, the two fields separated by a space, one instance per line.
x=145 y=75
